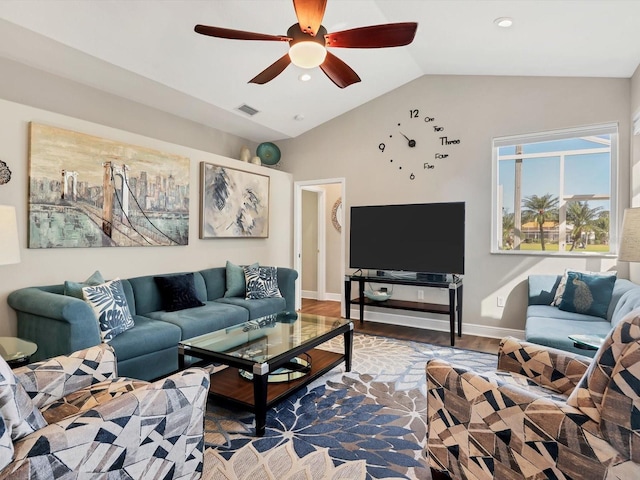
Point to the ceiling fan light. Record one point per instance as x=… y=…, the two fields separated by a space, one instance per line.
x=307 y=54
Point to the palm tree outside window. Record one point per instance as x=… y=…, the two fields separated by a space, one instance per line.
x=554 y=193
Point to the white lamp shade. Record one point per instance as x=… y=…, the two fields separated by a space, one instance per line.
x=308 y=54
x=9 y=245
x=630 y=239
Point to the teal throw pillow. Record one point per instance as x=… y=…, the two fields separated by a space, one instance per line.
x=74 y=289
x=587 y=294
x=236 y=284
x=262 y=282
x=110 y=306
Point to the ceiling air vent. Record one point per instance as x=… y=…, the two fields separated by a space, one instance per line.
x=248 y=110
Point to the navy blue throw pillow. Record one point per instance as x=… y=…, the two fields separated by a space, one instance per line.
x=588 y=294
x=178 y=292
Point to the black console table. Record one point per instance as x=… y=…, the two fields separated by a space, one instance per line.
x=453 y=309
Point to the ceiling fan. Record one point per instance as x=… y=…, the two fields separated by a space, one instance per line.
x=308 y=40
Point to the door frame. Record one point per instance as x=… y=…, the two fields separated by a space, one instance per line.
x=314 y=185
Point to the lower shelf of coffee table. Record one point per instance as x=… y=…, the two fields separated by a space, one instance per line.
x=229 y=385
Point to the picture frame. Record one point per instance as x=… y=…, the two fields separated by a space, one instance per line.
x=233 y=203
x=87 y=191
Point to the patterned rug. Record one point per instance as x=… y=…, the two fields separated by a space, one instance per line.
x=364 y=424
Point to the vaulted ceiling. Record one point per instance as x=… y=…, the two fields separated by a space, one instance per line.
x=147 y=51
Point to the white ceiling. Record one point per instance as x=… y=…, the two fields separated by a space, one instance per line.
x=147 y=51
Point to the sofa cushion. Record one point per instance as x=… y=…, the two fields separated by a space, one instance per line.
x=145 y=337
x=20 y=415
x=236 y=283
x=198 y=321
x=110 y=306
x=262 y=282
x=587 y=294
x=89 y=397
x=178 y=292
x=554 y=331
x=258 y=308
x=74 y=289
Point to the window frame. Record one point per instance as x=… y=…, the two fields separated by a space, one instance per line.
x=611 y=128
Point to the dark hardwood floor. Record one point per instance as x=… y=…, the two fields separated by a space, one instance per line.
x=470 y=342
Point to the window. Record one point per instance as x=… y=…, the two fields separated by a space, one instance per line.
x=554 y=193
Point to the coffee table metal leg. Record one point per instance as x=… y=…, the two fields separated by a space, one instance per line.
x=260 y=383
x=348 y=348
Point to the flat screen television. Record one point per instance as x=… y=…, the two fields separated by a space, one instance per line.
x=421 y=238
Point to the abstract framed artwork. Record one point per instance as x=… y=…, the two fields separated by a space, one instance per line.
x=87 y=191
x=234 y=203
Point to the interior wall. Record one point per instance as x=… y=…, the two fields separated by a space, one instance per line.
x=333 y=266
x=472 y=109
x=634 y=178
x=54 y=266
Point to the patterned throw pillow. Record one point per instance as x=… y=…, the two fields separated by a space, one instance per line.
x=74 y=289
x=18 y=412
x=557 y=299
x=110 y=306
x=178 y=292
x=587 y=294
x=262 y=282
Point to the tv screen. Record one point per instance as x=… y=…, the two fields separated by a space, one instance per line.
x=423 y=238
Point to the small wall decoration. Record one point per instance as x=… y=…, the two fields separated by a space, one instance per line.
x=87 y=191
x=337 y=215
x=5 y=173
x=234 y=203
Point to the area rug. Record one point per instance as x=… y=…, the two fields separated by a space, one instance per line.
x=364 y=424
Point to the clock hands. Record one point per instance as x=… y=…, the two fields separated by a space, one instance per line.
x=412 y=143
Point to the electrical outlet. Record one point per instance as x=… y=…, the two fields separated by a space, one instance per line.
x=420 y=294
x=500 y=301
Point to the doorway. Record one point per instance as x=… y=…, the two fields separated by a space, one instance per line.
x=317 y=242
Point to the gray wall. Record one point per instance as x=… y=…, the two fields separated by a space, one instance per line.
x=39 y=97
x=473 y=109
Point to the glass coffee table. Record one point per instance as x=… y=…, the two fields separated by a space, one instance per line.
x=269 y=358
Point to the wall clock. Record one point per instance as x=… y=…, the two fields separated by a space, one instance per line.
x=416 y=144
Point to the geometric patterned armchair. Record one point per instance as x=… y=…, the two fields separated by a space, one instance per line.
x=544 y=413
x=72 y=417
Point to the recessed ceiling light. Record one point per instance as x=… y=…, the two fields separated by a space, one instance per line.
x=304 y=77
x=504 y=22
x=299 y=117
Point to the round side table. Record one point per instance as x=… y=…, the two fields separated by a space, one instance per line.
x=16 y=351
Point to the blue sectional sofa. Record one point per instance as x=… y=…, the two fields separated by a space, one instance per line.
x=550 y=326
x=61 y=324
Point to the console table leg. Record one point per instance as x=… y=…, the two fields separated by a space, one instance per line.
x=452 y=315
x=347 y=300
x=361 y=292
x=460 y=311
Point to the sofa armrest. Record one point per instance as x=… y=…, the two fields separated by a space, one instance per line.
x=58 y=324
x=550 y=367
x=50 y=380
x=287 y=286
x=154 y=431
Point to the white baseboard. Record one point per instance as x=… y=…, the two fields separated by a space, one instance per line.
x=312 y=294
x=409 y=320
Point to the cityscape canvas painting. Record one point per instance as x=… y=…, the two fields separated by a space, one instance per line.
x=234 y=203
x=87 y=191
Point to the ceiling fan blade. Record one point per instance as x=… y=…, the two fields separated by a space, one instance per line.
x=339 y=72
x=237 y=34
x=374 y=36
x=310 y=14
x=272 y=71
